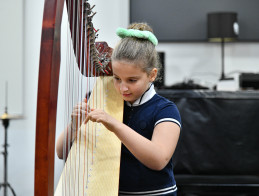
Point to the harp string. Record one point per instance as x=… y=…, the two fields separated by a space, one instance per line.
x=81 y=68
x=76 y=71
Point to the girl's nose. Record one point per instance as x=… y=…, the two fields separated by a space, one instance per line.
x=123 y=87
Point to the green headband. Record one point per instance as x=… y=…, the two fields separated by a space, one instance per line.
x=121 y=32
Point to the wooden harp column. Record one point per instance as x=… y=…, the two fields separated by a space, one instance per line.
x=47 y=96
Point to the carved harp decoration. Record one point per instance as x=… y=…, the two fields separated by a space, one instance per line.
x=88 y=54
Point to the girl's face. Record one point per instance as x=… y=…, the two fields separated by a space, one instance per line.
x=130 y=80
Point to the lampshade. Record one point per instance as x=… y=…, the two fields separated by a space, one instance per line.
x=222 y=26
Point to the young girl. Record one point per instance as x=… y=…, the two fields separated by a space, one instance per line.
x=151 y=124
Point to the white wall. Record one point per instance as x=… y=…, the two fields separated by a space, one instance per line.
x=11 y=55
x=22 y=132
x=201 y=62
x=183 y=60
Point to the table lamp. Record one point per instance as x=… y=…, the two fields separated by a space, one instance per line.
x=222 y=27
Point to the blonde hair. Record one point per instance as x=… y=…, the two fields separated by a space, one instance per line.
x=138 y=51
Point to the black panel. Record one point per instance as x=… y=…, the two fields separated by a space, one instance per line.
x=218 y=147
x=186 y=20
x=161 y=82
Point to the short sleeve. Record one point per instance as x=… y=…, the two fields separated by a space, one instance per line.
x=167 y=112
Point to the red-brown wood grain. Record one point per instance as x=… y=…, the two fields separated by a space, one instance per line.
x=47 y=98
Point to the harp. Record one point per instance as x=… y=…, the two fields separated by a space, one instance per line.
x=86 y=53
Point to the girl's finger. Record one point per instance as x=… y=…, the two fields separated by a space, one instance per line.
x=86 y=120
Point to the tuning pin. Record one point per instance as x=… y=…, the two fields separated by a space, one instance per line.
x=106 y=72
x=108 y=67
x=87 y=12
x=87 y=5
x=89 y=19
x=92 y=7
x=105 y=54
x=102 y=70
x=92 y=42
x=91 y=34
x=93 y=14
x=89 y=27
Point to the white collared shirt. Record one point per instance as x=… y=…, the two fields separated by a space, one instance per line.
x=147 y=95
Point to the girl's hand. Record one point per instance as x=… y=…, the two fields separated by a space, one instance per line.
x=79 y=114
x=100 y=116
x=67 y=136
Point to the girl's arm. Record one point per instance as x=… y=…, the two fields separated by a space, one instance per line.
x=60 y=142
x=154 y=153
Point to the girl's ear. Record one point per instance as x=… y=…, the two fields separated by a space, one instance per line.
x=153 y=75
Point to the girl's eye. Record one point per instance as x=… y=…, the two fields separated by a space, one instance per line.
x=116 y=78
x=132 y=80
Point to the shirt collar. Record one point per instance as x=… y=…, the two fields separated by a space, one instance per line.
x=147 y=95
